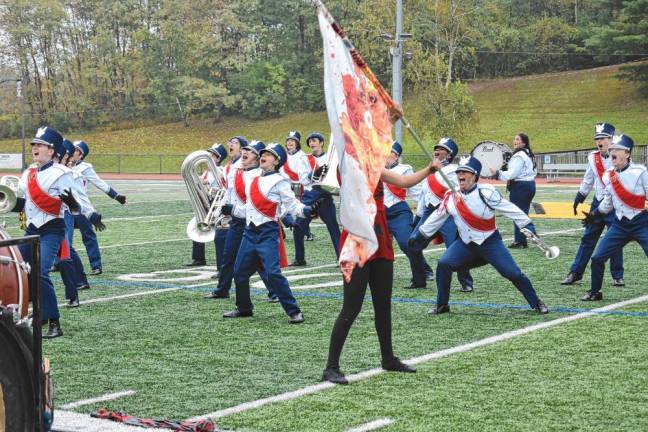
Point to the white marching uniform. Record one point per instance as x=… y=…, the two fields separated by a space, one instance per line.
x=433 y=188
x=520 y=168
x=633 y=181
x=53 y=179
x=592 y=179
x=394 y=195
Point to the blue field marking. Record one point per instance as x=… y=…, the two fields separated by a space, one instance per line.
x=335 y=296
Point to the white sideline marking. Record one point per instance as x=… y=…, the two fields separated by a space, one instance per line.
x=416 y=360
x=67 y=421
x=131 y=218
x=144 y=243
x=104 y=398
x=373 y=425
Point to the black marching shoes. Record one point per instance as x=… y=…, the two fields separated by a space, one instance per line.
x=541 y=307
x=590 y=296
x=439 y=309
x=395 y=365
x=571 y=278
x=237 y=314
x=54 y=330
x=334 y=375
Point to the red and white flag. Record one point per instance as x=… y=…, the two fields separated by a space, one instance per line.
x=361 y=130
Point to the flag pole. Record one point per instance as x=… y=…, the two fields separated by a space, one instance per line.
x=395 y=110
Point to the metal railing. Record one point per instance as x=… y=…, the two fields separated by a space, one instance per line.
x=170 y=163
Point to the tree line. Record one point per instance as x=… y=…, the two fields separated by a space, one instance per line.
x=89 y=63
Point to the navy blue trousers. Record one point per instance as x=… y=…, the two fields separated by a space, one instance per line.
x=326 y=213
x=449 y=232
x=492 y=251
x=198 y=249
x=51 y=235
x=89 y=238
x=521 y=194
x=259 y=248
x=71 y=270
x=399 y=221
x=233 y=238
x=588 y=242
x=617 y=236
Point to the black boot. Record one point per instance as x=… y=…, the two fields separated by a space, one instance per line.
x=334 y=375
x=395 y=365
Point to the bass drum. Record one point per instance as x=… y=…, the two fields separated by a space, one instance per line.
x=491 y=154
x=14 y=285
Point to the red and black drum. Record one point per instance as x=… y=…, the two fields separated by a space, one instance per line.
x=14 y=287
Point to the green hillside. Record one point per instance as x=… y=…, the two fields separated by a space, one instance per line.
x=556 y=110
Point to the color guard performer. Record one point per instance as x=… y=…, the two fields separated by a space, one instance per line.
x=399 y=214
x=262 y=244
x=85 y=226
x=473 y=210
x=48 y=193
x=434 y=189
x=626 y=192
x=598 y=162
x=317 y=167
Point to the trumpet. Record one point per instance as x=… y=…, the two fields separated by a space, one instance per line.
x=9 y=192
x=551 y=252
x=207 y=201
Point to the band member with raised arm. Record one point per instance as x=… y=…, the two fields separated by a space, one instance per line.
x=378 y=273
x=262 y=244
x=47 y=187
x=85 y=226
x=399 y=214
x=626 y=192
x=598 y=162
x=473 y=208
x=433 y=191
x=520 y=177
x=218 y=154
x=317 y=167
x=245 y=169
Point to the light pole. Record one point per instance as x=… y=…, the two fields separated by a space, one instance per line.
x=396 y=51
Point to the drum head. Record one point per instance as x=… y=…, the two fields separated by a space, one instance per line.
x=491 y=154
x=14 y=282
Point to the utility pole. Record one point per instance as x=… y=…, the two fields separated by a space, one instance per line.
x=19 y=95
x=397 y=65
x=397 y=53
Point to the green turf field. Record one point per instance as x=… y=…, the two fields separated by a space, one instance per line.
x=154 y=335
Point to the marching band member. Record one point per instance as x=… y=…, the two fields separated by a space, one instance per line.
x=399 y=214
x=296 y=170
x=236 y=205
x=434 y=189
x=473 y=210
x=378 y=273
x=218 y=154
x=85 y=226
x=626 y=192
x=520 y=178
x=262 y=238
x=48 y=193
x=312 y=192
x=598 y=162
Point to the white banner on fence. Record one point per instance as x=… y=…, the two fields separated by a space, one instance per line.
x=10 y=161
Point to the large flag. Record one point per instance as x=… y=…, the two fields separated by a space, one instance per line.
x=358 y=109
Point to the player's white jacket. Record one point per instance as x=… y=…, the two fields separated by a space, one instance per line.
x=474 y=213
x=626 y=191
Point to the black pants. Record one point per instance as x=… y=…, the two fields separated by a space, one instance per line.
x=379 y=275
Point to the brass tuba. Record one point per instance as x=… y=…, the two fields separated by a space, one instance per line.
x=207 y=201
x=9 y=193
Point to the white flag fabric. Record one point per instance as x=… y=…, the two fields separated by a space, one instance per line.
x=361 y=131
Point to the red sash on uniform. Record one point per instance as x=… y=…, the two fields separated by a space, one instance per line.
x=436 y=187
x=400 y=193
x=45 y=202
x=292 y=175
x=631 y=200
x=268 y=208
x=312 y=162
x=239 y=185
x=598 y=164
x=472 y=220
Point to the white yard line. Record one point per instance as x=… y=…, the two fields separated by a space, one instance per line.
x=132 y=218
x=67 y=421
x=372 y=425
x=416 y=360
x=104 y=398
